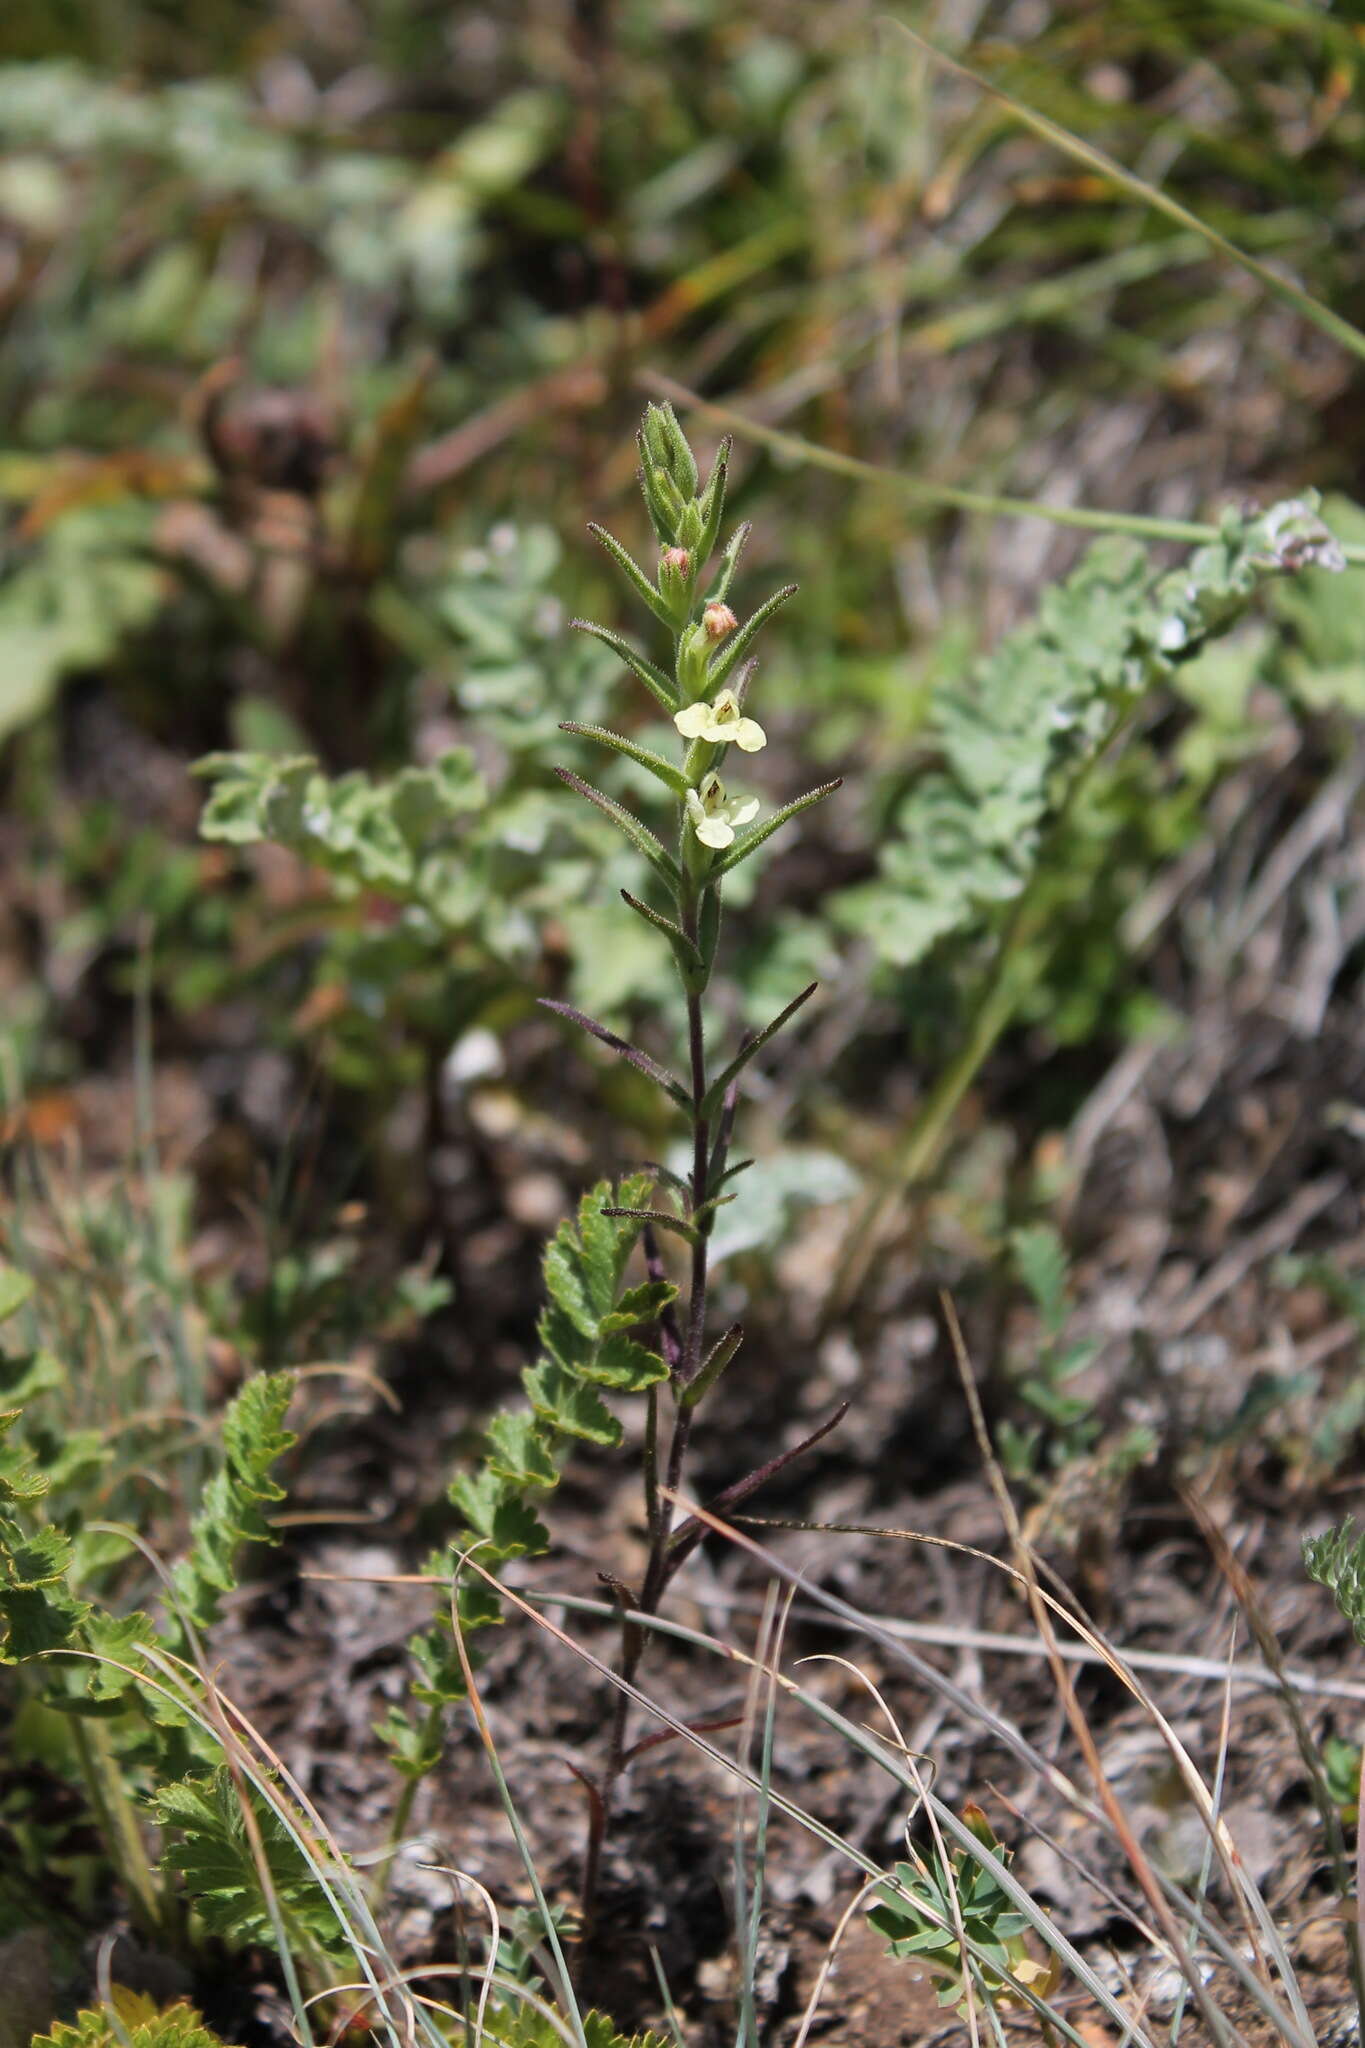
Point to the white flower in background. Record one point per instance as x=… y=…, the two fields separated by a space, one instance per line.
x=714 y=816
x=721 y=723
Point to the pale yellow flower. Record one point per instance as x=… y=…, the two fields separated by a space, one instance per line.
x=714 y=816
x=721 y=723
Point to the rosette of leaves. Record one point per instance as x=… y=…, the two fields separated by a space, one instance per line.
x=132 y=2020
x=1014 y=740
x=930 y=1900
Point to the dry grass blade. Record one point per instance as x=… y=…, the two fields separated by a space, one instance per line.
x=878 y=1752
x=1285 y=288
x=1140 y=1865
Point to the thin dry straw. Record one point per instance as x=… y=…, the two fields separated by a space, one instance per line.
x=1226 y=1951
x=1009 y=1735
x=972 y=1707
x=508 y=1803
x=217 y=1710
x=1039 y=1605
x=1206 y=1860
x=877 y=1751
x=1284 y=288
x=768 y=1657
x=795 y=448
x=947 y=1636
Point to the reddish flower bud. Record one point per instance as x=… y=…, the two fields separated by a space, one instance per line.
x=676 y=558
x=718 y=620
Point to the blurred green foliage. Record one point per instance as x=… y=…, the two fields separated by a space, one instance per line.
x=319 y=335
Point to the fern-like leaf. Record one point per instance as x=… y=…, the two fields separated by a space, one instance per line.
x=254 y=1437
x=1337 y=1561
x=210 y=1843
x=1012 y=737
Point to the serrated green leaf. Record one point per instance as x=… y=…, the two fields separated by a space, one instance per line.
x=1041 y=1262
x=117 y=1643
x=626 y=1365
x=37 y=1619
x=517 y=1451
x=493 y=1511
x=413 y=1750
x=208 y=1842
x=231 y=1512
x=131 y=2020
x=573 y=1408
x=1017 y=732
x=23 y=1378
x=642 y=1304
x=35 y=1557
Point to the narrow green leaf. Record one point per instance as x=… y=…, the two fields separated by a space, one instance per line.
x=713 y=502
x=654 y=679
x=729 y=562
x=639 y=835
x=633 y=573
x=663 y=514
x=672 y=778
x=751 y=841
x=674 y=933
x=641 y=1061
x=662 y=1219
x=715 y=1094
x=712 y=1366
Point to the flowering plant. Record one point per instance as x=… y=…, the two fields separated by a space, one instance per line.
x=703 y=691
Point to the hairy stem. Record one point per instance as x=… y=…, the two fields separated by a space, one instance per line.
x=659 y=1508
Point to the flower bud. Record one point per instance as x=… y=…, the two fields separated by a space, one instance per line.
x=718 y=620
x=675 y=581
x=691 y=670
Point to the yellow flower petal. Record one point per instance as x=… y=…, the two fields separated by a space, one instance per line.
x=693 y=720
